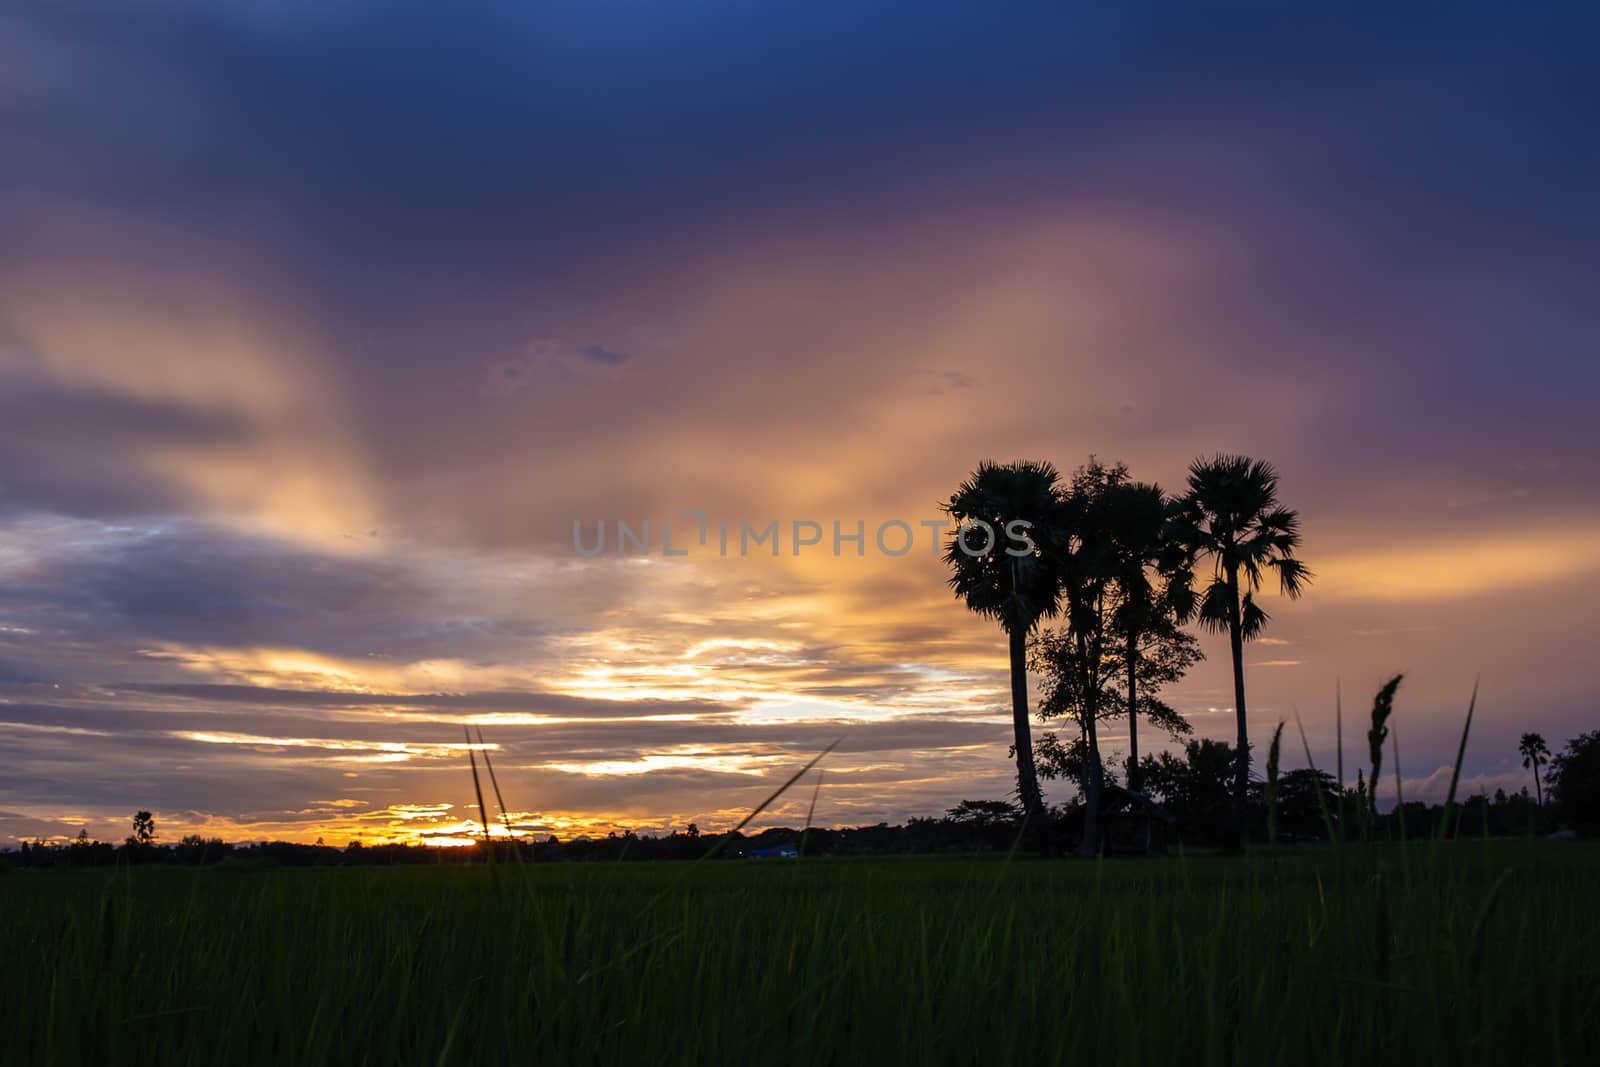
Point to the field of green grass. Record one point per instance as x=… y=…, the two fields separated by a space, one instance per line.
x=1484 y=953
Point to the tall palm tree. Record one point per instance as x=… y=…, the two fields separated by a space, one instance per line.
x=1231 y=515
x=1534 y=753
x=1018 y=591
x=1152 y=585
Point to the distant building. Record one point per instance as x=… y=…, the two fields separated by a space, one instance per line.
x=777 y=852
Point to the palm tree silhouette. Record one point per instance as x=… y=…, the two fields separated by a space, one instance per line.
x=1534 y=753
x=1018 y=591
x=1142 y=532
x=1232 y=515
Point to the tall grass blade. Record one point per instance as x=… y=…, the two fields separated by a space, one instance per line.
x=1273 y=753
x=477 y=787
x=1399 y=789
x=1400 y=808
x=1480 y=925
x=1338 y=743
x=1405 y=858
x=776 y=793
x=1455 y=772
x=1335 y=836
x=1382 y=928
x=811 y=812
x=499 y=799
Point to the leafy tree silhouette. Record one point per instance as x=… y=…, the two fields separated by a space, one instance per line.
x=144 y=829
x=979 y=823
x=1059 y=659
x=1196 y=786
x=1088 y=572
x=1165 y=652
x=1303 y=795
x=1231 y=516
x=983 y=813
x=1575 y=783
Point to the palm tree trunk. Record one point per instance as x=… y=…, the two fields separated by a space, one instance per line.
x=1027 y=778
x=1241 y=773
x=1538 y=791
x=1090 y=845
x=1133 y=712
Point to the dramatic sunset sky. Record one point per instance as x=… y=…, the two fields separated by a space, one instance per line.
x=320 y=325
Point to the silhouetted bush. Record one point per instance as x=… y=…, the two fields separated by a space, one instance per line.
x=1575 y=783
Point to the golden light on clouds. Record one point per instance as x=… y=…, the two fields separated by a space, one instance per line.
x=1464 y=565
x=368 y=751
x=276 y=455
x=681 y=759
x=299 y=668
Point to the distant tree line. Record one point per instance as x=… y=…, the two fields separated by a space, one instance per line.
x=918 y=836
x=1193 y=786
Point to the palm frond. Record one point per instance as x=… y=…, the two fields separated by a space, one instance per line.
x=1293 y=576
x=1016 y=591
x=1179 y=594
x=1231 y=515
x=1216 y=607
x=1250 y=570
x=1252 y=619
x=1283 y=522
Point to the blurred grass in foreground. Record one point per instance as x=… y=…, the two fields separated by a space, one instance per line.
x=1472 y=953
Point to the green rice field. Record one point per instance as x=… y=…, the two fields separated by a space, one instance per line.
x=1466 y=953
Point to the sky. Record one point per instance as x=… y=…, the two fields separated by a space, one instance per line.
x=321 y=326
